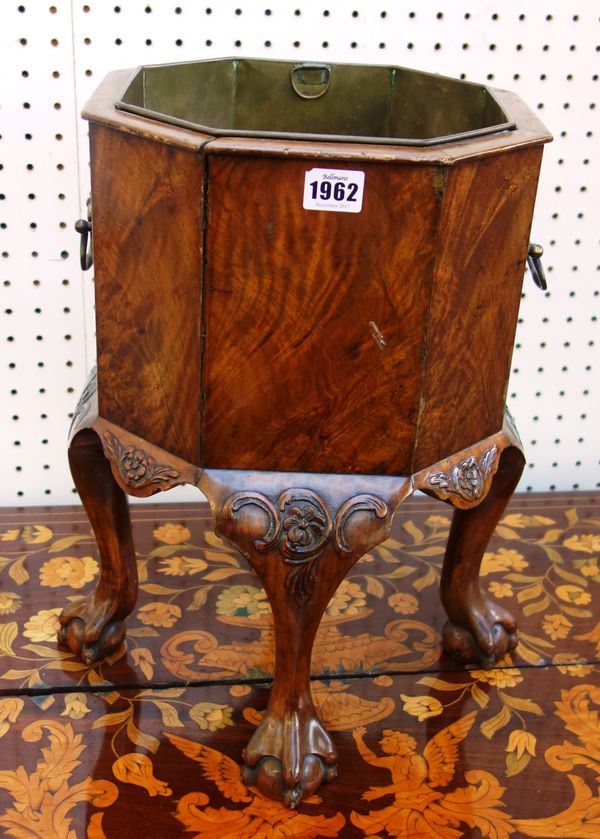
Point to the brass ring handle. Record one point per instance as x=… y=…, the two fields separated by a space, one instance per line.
x=534 y=261
x=310 y=80
x=84 y=228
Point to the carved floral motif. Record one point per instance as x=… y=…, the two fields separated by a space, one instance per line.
x=306 y=526
x=468 y=480
x=303 y=526
x=139 y=470
x=300 y=524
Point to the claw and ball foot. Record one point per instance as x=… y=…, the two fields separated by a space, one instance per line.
x=492 y=633
x=477 y=630
x=94 y=627
x=289 y=757
x=89 y=629
x=266 y=775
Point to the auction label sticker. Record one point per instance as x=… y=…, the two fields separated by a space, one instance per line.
x=335 y=190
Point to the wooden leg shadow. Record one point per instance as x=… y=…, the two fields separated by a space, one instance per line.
x=94 y=627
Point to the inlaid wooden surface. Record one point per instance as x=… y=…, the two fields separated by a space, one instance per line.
x=426 y=747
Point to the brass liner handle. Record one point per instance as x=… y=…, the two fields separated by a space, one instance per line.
x=310 y=80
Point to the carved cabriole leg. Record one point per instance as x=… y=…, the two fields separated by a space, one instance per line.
x=301 y=534
x=94 y=627
x=479 y=483
x=105 y=463
x=477 y=628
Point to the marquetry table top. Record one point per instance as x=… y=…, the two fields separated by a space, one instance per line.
x=426 y=746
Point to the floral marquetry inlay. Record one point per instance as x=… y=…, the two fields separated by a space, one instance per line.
x=447 y=752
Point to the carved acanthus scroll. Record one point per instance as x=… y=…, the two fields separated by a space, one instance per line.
x=364 y=502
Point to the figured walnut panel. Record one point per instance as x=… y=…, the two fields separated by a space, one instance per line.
x=483 y=239
x=315 y=320
x=147 y=223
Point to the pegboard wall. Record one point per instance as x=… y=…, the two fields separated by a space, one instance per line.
x=53 y=57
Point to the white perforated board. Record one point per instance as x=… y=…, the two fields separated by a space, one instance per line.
x=53 y=57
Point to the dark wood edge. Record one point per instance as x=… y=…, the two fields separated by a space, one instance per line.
x=100 y=108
